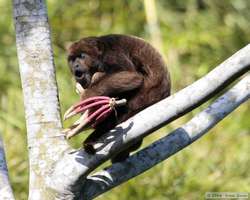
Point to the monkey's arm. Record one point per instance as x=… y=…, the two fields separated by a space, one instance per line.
x=113 y=84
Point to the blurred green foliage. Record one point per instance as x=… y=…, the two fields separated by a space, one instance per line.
x=197 y=36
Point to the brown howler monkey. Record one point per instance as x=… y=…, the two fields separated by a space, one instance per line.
x=119 y=66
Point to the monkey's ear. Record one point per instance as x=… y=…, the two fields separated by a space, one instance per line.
x=100 y=46
x=93 y=43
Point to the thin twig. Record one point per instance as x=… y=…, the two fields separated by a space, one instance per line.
x=5 y=187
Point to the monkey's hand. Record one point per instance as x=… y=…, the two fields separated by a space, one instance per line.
x=94 y=110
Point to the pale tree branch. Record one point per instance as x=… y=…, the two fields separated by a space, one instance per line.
x=160 y=150
x=152 y=24
x=6 y=192
x=79 y=164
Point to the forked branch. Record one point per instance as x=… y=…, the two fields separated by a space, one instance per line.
x=80 y=164
x=162 y=149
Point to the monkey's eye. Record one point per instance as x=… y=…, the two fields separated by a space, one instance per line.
x=83 y=55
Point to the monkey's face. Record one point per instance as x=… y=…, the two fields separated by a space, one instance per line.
x=84 y=62
x=84 y=67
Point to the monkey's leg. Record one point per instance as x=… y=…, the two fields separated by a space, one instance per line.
x=125 y=154
x=101 y=129
x=88 y=144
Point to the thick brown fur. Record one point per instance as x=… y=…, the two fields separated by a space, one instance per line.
x=119 y=66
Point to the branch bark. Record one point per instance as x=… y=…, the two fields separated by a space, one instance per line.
x=6 y=192
x=160 y=150
x=79 y=164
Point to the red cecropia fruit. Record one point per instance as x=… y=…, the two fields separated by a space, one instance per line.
x=94 y=110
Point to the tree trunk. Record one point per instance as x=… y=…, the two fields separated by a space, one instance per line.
x=42 y=110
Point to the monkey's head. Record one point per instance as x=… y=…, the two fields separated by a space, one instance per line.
x=84 y=58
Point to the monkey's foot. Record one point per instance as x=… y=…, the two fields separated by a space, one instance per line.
x=89 y=148
x=94 y=110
